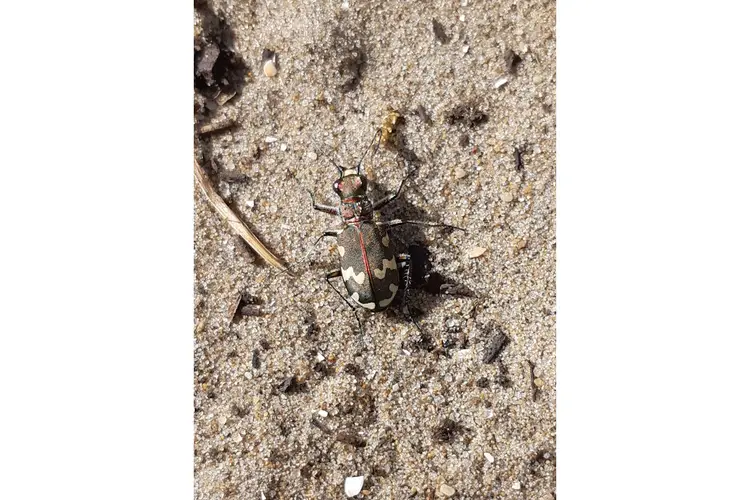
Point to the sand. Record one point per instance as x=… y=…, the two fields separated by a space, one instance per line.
x=417 y=415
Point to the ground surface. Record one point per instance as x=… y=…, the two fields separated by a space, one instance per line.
x=411 y=413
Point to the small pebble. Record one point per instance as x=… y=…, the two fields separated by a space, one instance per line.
x=248 y=375
x=548 y=496
x=465 y=49
x=506 y=196
x=270 y=139
x=459 y=173
x=489 y=458
x=537 y=79
x=323 y=413
x=500 y=82
x=476 y=252
x=222 y=421
x=353 y=485
x=345 y=5
x=319 y=357
x=269 y=68
x=250 y=204
x=462 y=18
x=446 y=490
x=283 y=147
x=538 y=382
x=312 y=155
x=237 y=438
x=516 y=485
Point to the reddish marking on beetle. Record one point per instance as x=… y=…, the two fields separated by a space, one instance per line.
x=364 y=256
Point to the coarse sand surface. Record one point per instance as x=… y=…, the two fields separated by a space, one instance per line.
x=290 y=397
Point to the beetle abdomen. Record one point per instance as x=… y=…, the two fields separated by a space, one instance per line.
x=368 y=265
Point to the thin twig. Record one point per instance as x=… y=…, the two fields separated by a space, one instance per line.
x=234 y=222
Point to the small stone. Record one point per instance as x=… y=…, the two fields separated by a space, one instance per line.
x=500 y=82
x=222 y=420
x=465 y=49
x=489 y=458
x=538 y=382
x=345 y=5
x=319 y=357
x=323 y=413
x=462 y=18
x=250 y=204
x=516 y=485
x=476 y=252
x=283 y=147
x=271 y=139
x=459 y=173
x=353 y=485
x=548 y=496
x=537 y=79
x=312 y=155
x=269 y=68
x=446 y=490
x=506 y=196
x=249 y=375
x=237 y=438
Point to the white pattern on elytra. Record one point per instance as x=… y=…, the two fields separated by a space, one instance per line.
x=387 y=264
x=342 y=251
x=368 y=305
x=393 y=288
x=349 y=273
x=386 y=240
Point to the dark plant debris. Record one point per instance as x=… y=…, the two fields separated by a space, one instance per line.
x=439 y=31
x=423 y=115
x=446 y=431
x=483 y=382
x=320 y=425
x=218 y=68
x=256 y=359
x=291 y=385
x=466 y=114
x=512 y=60
x=518 y=156
x=351 y=438
x=495 y=347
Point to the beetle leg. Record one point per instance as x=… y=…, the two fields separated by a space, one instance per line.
x=322 y=208
x=337 y=274
x=391 y=196
x=329 y=232
x=403 y=260
x=399 y=222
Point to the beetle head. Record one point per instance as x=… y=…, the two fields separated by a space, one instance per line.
x=350 y=185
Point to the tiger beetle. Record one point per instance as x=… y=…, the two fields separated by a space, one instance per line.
x=369 y=266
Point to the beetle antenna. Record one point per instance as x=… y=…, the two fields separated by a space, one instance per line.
x=377 y=136
x=340 y=169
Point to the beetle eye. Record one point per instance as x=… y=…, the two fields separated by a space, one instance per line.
x=337 y=186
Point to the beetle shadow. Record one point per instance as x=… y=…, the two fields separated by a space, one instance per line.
x=411 y=239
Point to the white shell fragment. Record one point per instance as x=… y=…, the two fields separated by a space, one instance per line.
x=271 y=139
x=447 y=491
x=489 y=458
x=500 y=82
x=353 y=485
x=269 y=68
x=322 y=413
x=476 y=252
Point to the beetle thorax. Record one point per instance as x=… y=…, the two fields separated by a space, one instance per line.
x=356 y=209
